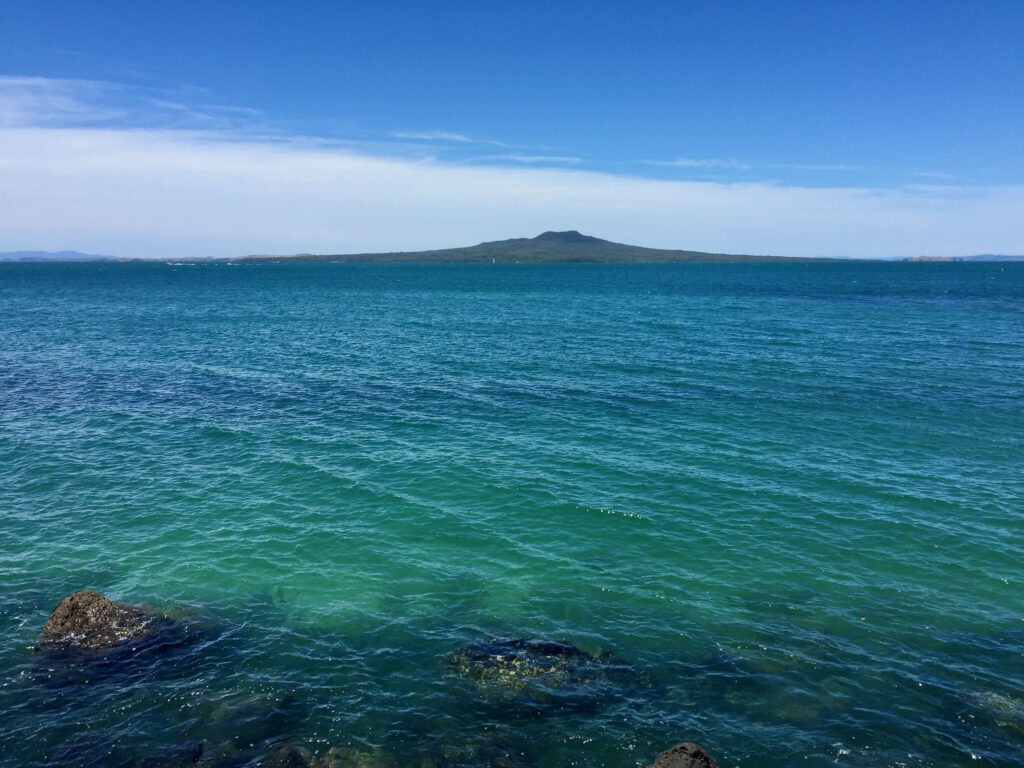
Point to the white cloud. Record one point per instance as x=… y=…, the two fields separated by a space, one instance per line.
x=159 y=192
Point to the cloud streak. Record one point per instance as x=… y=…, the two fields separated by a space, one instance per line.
x=702 y=162
x=166 y=192
x=56 y=102
x=444 y=136
x=736 y=165
x=529 y=159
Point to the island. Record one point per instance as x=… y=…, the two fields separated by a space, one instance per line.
x=568 y=246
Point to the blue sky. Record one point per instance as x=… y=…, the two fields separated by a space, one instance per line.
x=839 y=128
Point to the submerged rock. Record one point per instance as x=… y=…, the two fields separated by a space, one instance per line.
x=244 y=719
x=516 y=659
x=684 y=755
x=342 y=757
x=183 y=756
x=483 y=750
x=543 y=671
x=88 y=621
x=1005 y=711
x=291 y=756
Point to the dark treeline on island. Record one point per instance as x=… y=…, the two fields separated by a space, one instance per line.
x=568 y=246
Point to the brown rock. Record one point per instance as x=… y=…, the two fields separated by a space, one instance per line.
x=685 y=755
x=87 y=620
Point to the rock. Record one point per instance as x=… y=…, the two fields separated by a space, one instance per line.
x=182 y=756
x=685 y=755
x=530 y=672
x=1005 y=711
x=339 y=757
x=501 y=659
x=245 y=719
x=88 y=621
x=483 y=750
x=289 y=756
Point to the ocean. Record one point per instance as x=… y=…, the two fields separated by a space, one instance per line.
x=779 y=507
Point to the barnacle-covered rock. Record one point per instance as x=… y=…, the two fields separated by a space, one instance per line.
x=88 y=621
x=684 y=755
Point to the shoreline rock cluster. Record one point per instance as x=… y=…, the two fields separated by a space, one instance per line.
x=86 y=622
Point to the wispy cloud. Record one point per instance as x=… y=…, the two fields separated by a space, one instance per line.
x=820 y=167
x=731 y=168
x=732 y=164
x=701 y=162
x=34 y=100
x=444 y=136
x=94 y=103
x=934 y=175
x=108 y=181
x=529 y=159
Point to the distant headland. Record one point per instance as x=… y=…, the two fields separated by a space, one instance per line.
x=53 y=256
x=978 y=257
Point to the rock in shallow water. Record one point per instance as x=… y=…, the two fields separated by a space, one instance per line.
x=544 y=672
x=88 y=621
x=685 y=755
x=291 y=756
x=510 y=659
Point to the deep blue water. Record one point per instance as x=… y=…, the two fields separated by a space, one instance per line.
x=787 y=498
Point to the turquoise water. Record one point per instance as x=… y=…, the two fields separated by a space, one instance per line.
x=787 y=496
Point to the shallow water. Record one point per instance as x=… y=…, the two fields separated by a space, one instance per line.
x=787 y=496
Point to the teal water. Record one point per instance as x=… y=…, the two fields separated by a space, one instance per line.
x=788 y=496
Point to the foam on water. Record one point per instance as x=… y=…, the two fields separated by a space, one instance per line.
x=788 y=495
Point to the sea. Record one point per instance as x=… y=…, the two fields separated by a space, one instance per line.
x=778 y=508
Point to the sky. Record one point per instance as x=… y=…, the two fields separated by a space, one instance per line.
x=825 y=127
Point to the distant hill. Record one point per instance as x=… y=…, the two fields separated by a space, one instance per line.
x=568 y=246
x=977 y=257
x=993 y=257
x=53 y=256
